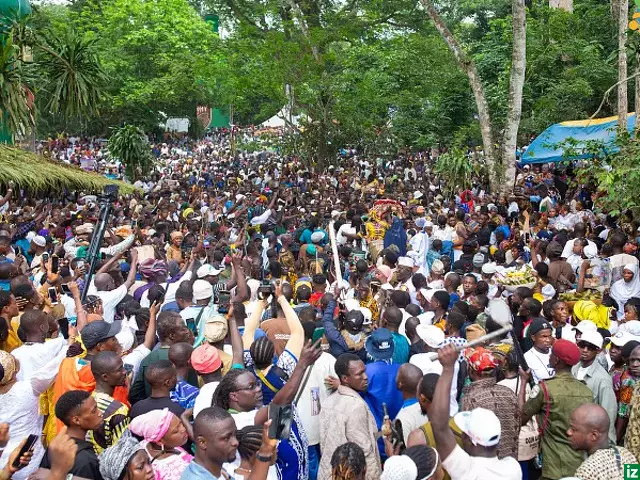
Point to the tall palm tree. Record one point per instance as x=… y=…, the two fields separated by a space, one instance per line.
x=16 y=81
x=74 y=78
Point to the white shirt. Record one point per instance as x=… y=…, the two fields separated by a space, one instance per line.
x=314 y=393
x=424 y=362
x=346 y=228
x=135 y=357
x=34 y=356
x=567 y=251
x=110 y=299
x=462 y=466
x=411 y=418
x=539 y=364
x=204 y=398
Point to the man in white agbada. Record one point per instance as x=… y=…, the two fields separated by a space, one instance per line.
x=419 y=246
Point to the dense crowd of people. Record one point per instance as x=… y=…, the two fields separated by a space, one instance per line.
x=247 y=316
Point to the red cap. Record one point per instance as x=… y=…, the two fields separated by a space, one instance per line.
x=205 y=359
x=566 y=351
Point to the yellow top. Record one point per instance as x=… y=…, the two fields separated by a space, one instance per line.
x=12 y=342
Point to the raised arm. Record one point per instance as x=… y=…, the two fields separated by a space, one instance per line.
x=131 y=278
x=81 y=314
x=310 y=353
x=236 y=339
x=150 y=334
x=296 y=338
x=251 y=325
x=242 y=292
x=439 y=414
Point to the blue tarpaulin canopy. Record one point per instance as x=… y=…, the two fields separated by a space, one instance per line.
x=550 y=145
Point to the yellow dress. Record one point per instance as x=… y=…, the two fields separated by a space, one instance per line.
x=12 y=341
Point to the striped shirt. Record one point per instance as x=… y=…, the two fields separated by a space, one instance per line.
x=114 y=422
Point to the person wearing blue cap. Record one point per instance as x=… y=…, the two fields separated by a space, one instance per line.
x=382 y=378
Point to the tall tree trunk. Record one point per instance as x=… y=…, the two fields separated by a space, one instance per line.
x=516 y=84
x=562 y=4
x=469 y=67
x=623 y=21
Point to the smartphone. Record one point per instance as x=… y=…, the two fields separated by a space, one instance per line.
x=28 y=445
x=65 y=289
x=45 y=257
x=206 y=244
x=55 y=263
x=224 y=301
x=134 y=223
x=280 y=416
x=80 y=264
x=128 y=368
x=53 y=295
x=191 y=325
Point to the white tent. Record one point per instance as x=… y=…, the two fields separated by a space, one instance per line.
x=278 y=120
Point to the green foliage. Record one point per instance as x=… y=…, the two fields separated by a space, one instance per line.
x=616 y=175
x=456 y=167
x=74 y=76
x=129 y=144
x=16 y=82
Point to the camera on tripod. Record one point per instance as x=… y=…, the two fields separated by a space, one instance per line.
x=109 y=194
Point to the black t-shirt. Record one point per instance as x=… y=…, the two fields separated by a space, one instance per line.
x=86 y=463
x=149 y=404
x=416 y=348
x=464 y=264
x=484 y=236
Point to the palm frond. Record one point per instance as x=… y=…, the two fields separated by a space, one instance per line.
x=38 y=174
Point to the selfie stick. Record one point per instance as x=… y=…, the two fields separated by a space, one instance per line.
x=334 y=249
x=477 y=341
x=106 y=202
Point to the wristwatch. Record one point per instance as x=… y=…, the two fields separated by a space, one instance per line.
x=264 y=458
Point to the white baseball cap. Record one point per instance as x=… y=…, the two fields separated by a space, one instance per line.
x=431 y=335
x=202 y=290
x=481 y=426
x=592 y=337
x=586 y=326
x=208 y=270
x=620 y=339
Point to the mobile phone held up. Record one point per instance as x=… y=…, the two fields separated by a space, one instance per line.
x=28 y=445
x=53 y=295
x=280 y=416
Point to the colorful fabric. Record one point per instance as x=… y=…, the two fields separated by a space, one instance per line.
x=480 y=359
x=627 y=386
x=184 y=394
x=115 y=420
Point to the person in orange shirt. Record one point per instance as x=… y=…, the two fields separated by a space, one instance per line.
x=75 y=372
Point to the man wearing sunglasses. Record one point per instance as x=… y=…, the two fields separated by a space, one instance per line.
x=591 y=372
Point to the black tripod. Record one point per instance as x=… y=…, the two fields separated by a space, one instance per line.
x=106 y=200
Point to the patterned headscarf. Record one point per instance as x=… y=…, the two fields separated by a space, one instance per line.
x=114 y=460
x=151 y=268
x=9 y=368
x=480 y=359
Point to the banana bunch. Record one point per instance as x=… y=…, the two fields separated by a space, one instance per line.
x=584 y=295
x=518 y=277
